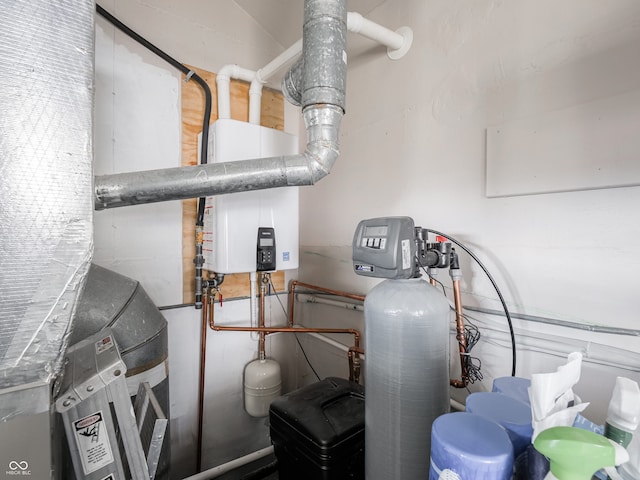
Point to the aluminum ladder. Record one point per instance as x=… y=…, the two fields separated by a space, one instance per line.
x=108 y=438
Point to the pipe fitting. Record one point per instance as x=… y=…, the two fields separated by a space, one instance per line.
x=323 y=127
x=398 y=43
x=319 y=76
x=235 y=71
x=223 y=81
x=292 y=83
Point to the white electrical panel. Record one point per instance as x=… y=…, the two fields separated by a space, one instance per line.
x=232 y=220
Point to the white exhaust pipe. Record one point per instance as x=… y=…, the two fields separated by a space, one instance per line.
x=398 y=44
x=223 y=81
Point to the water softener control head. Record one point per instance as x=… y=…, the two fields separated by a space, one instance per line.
x=385 y=248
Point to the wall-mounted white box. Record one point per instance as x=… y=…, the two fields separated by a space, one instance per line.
x=232 y=220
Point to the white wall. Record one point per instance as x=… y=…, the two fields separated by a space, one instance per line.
x=413 y=143
x=138 y=127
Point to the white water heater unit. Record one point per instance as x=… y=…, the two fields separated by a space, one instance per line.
x=232 y=221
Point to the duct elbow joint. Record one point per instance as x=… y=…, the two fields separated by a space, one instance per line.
x=323 y=126
x=320 y=163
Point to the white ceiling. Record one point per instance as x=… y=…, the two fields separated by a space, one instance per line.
x=282 y=19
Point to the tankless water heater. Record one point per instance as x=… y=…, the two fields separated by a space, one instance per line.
x=232 y=221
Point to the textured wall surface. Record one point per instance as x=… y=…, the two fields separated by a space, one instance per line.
x=413 y=142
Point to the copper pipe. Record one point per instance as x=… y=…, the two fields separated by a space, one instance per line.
x=354 y=363
x=457 y=383
x=261 y=343
x=461 y=338
x=358 y=350
x=269 y=330
x=292 y=301
x=203 y=361
x=339 y=293
x=352 y=374
x=354 y=351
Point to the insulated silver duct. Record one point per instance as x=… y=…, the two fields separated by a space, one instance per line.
x=46 y=105
x=323 y=92
x=46 y=109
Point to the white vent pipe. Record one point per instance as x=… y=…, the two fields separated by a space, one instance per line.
x=397 y=43
x=323 y=88
x=307 y=298
x=266 y=72
x=220 y=470
x=223 y=79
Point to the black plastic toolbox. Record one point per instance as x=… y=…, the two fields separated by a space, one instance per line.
x=318 y=431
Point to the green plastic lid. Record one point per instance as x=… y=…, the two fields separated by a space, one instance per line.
x=575 y=454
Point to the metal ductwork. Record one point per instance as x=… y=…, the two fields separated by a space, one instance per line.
x=322 y=86
x=121 y=304
x=46 y=100
x=46 y=212
x=114 y=301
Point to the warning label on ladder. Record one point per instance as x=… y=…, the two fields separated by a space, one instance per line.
x=92 y=439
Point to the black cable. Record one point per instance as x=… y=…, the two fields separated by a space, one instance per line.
x=444 y=291
x=295 y=334
x=190 y=75
x=495 y=286
x=471 y=334
x=473 y=364
x=305 y=357
x=273 y=288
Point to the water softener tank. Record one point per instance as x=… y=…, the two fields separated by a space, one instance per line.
x=406 y=375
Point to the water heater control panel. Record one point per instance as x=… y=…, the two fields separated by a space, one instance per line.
x=385 y=248
x=266 y=258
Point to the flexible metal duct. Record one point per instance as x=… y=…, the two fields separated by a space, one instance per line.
x=46 y=105
x=322 y=97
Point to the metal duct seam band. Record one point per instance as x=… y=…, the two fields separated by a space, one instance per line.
x=46 y=100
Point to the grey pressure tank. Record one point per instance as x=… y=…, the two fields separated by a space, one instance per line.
x=406 y=376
